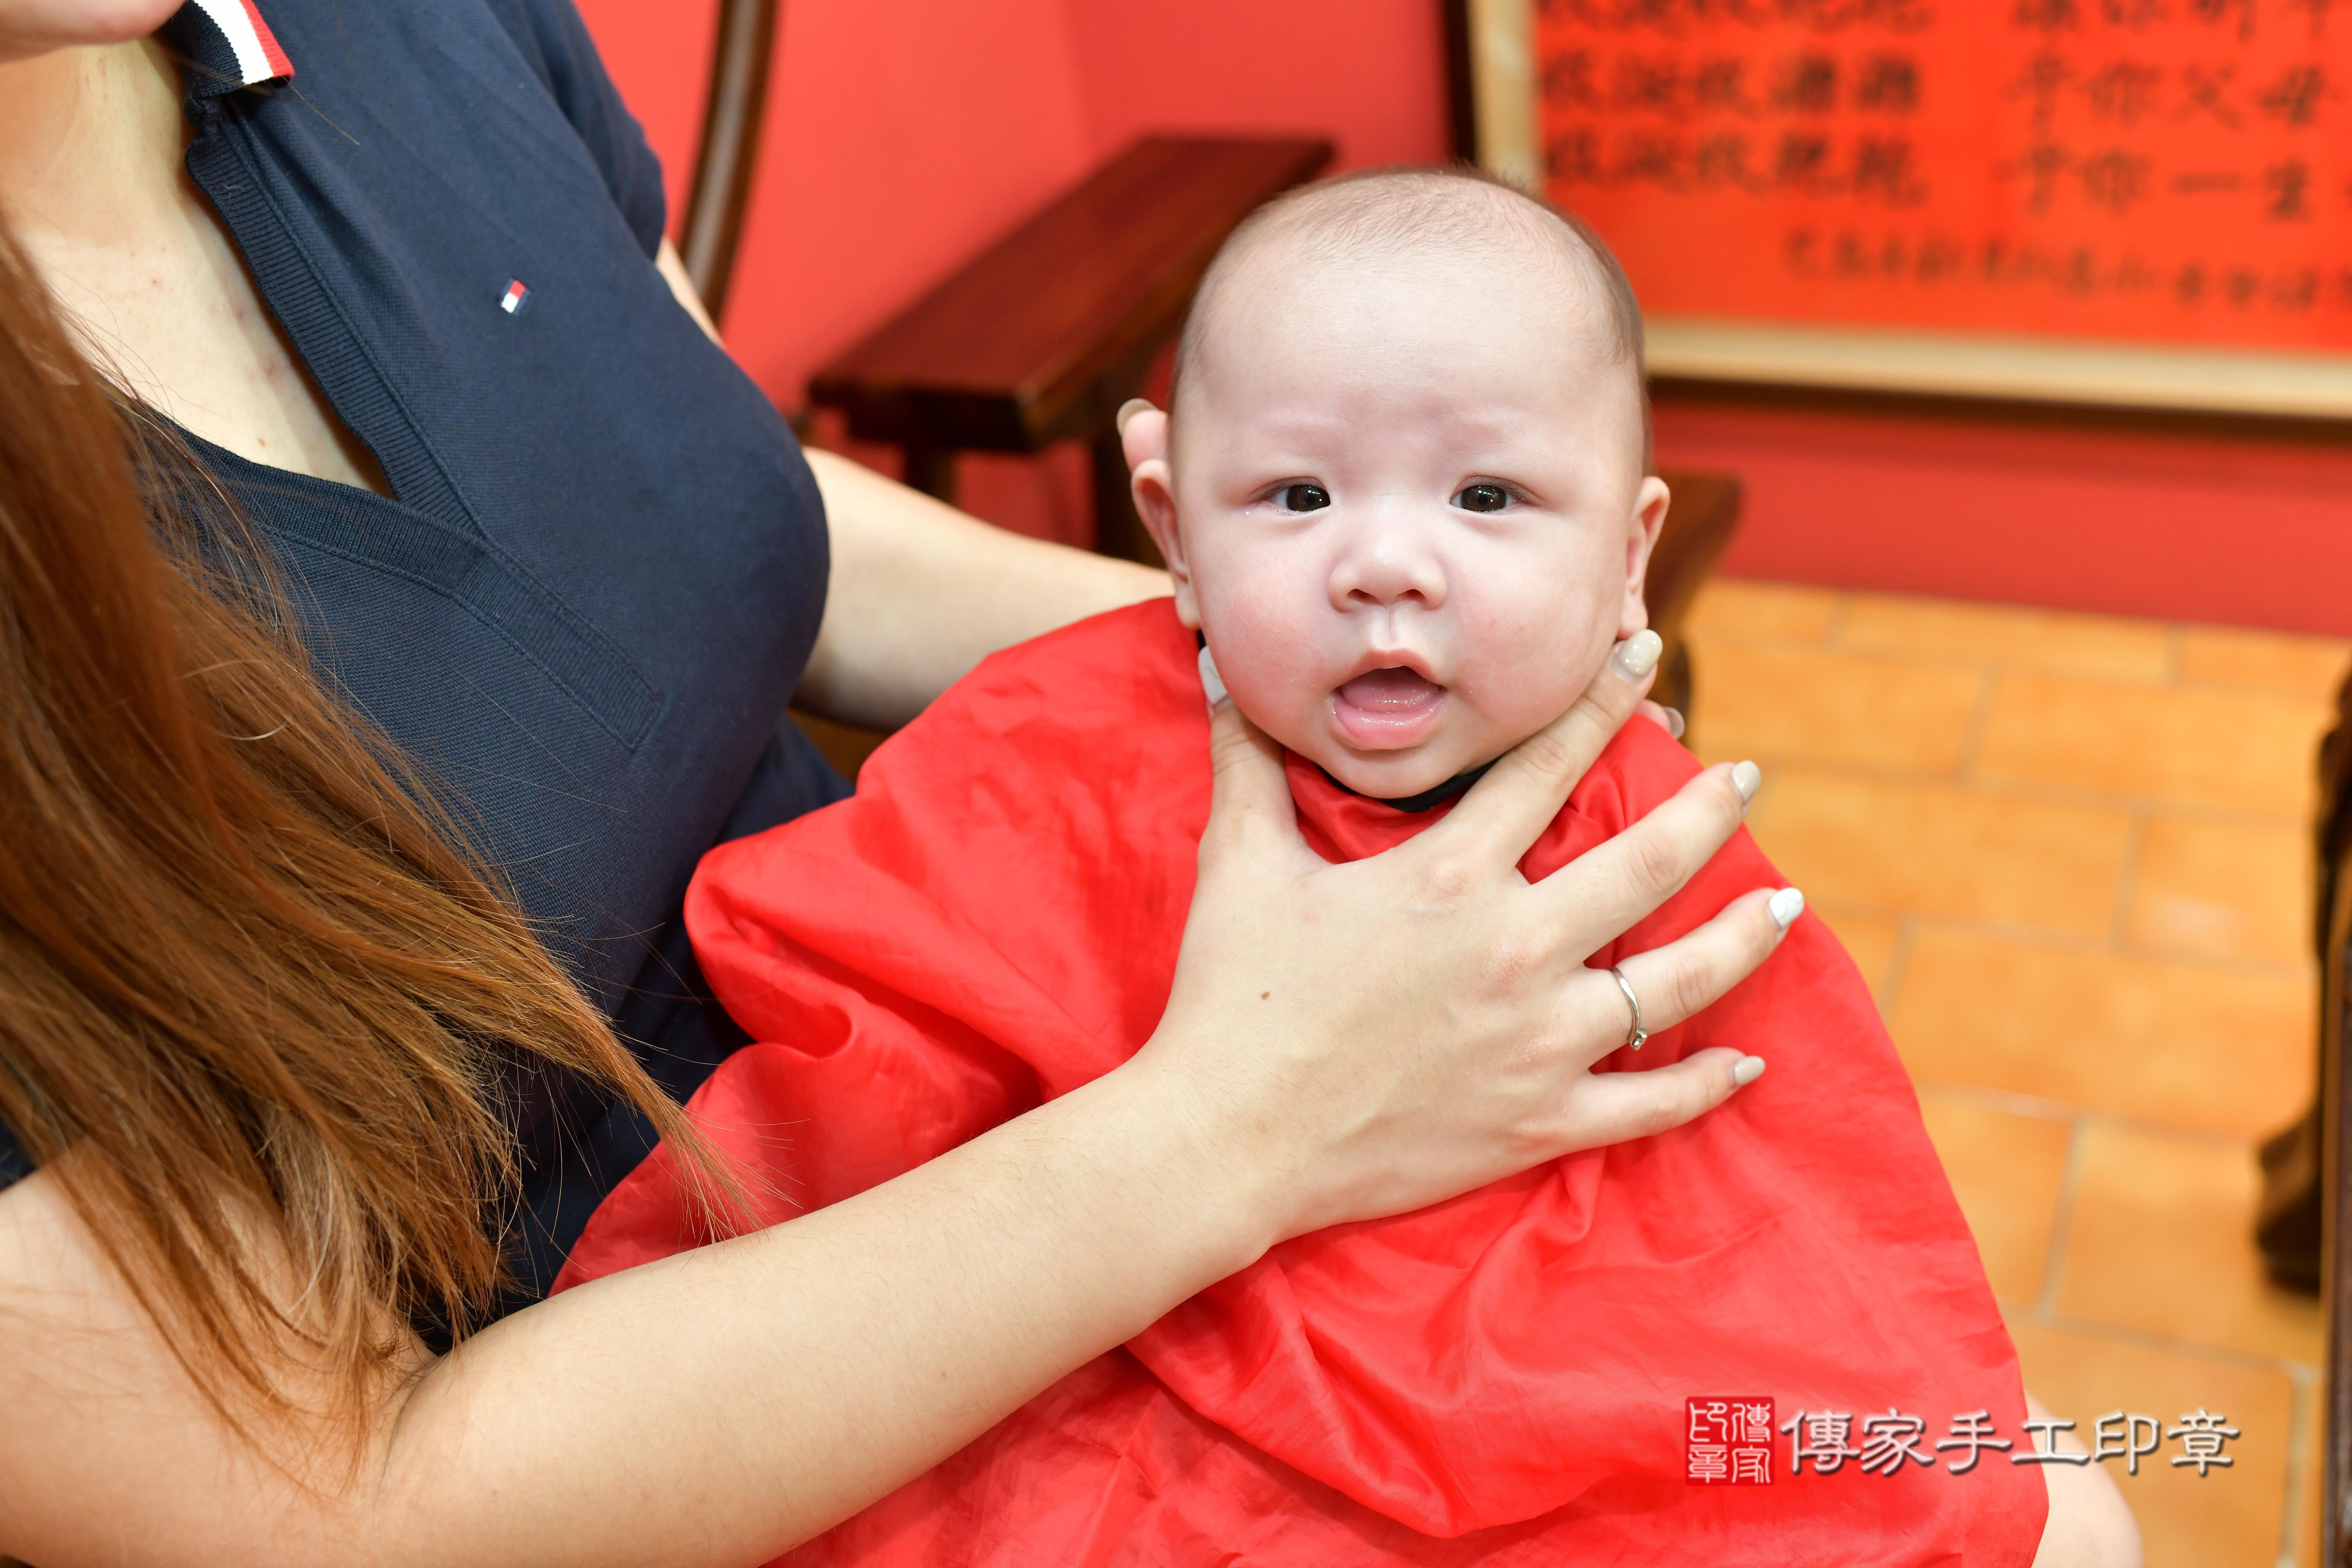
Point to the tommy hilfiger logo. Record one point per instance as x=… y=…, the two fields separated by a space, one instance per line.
x=513 y=300
x=237 y=45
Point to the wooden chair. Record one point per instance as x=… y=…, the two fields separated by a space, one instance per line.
x=2336 y=1188
x=2305 y=1222
x=1700 y=522
x=733 y=109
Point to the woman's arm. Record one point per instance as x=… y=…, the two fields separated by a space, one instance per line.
x=920 y=593
x=718 y=1405
x=712 y=1408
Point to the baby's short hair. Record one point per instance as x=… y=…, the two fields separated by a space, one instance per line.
x=1393 y=211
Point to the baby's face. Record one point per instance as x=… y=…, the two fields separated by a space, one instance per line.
x=1406 y=508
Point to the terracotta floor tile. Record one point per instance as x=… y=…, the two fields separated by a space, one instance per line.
x=1944 y=849
x=2194 y=1046
x=2244 y=750
x=2160 y=1238
x=2105 y=645
x=2227 y=1519
x=1729 y=607
x=1870 y=938
x=2005 y=1169
x=2232 y=889
x=1762 y=699
x=2309 y=668
x=2203 y=1023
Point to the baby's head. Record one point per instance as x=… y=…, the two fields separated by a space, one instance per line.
x=1404 y=484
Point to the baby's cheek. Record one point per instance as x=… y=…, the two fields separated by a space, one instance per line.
x=1533 y=658
x=1273 y=672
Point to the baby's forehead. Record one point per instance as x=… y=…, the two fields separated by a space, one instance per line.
x=1418 y=279
x=1430 y=244
x=1305 y=253
x=1454 y=338
x=1293 y=285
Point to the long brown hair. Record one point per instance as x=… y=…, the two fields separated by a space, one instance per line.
x=244 y=968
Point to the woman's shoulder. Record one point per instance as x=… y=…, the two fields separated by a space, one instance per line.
x=434 y=64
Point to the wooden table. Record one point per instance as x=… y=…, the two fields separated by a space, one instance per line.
x=1700 y=522
x=1042 y=335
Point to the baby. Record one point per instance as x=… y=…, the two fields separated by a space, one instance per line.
x=1404 y=492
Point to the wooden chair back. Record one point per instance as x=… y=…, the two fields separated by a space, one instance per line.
x=732 y=113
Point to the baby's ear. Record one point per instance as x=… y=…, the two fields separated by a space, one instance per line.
x=1650 y=503
x=1143 y=435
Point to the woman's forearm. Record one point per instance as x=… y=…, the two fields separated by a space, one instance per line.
x=770 y=1387
x=920 y=592
x=714 y=1407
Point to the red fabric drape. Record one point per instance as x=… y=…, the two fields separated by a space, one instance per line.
x=993 y=920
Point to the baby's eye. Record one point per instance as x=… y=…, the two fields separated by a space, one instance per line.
x=1305 y=497
x=1482 y=498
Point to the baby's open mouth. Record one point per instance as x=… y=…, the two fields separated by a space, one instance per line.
x=1388 y=709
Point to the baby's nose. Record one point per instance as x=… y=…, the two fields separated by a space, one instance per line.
x=1388 y=565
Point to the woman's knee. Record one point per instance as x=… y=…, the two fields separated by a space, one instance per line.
x=2090 y=1526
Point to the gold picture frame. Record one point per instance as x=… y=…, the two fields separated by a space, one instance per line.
x=1493 y=44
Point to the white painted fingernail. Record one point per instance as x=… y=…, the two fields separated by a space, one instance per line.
x=1747 y=778
x=1674 y=725
x=1128 y=410
x=1746 y=1070
x=1212 y=685
x=1637 y=655
x=1786 y=906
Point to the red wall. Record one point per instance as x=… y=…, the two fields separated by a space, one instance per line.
x=2242 y=530
x=903 y=134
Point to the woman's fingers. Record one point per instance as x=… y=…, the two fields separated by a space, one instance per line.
x=1671 y=984
x=1611 y=1107
x=1626 y=879
x=1511 y=806
x=1250 y=798
x=1673 y=981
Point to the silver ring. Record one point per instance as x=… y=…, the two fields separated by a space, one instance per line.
x=1637 y=1035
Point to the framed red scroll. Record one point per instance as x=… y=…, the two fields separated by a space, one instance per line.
x=2133 y=203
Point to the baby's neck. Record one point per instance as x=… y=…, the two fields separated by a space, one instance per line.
x=1428 y=799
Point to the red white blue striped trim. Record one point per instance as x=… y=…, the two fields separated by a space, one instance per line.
x=229 y=39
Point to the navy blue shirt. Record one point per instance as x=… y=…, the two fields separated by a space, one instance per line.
x=604 y=562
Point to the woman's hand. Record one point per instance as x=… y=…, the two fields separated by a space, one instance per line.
x=1367 y=1038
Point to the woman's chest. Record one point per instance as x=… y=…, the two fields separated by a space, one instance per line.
x=155 y=284
x=601 y=562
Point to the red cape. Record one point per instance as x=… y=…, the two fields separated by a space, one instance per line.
x=993 y=920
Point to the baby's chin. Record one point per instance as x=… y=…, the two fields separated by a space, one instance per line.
x=1397 y=775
